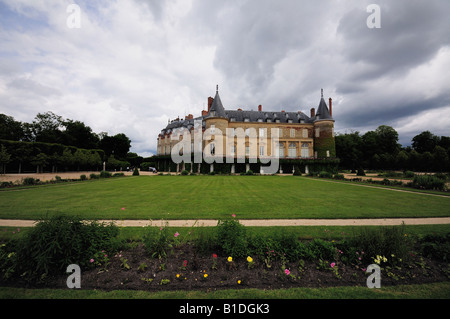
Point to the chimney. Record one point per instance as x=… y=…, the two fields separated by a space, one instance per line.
x=189 y=117
x=239 y=109
x=313 y=113
x=210 y=102
x=282 y=111
x=260 y=108
x=330 y=105
x=204 y=113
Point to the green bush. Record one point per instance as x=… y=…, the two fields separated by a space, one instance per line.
x=325 y=174
x=118 y=174
x=436 y=247
x=231 y=238
x=94 y=176
x=383 y=241
x=428 y=182
x=136 y=172
x=53 y=244
x=30 y=181
x=321 y=249
x=184 y=172
x=249 y=172
x=83 y=177
x=408 y=174
x=105 y=174
x=157 y=242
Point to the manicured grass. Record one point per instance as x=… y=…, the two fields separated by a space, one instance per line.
x=425 y=291
x=214 y=197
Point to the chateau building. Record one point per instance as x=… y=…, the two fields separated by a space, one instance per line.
x=302 y=140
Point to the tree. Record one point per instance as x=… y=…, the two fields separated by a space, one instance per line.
x=402 y=159
x=348 y=149
x=440 y=157
x=117 y=145
x=47 y=128
x=425 y=142
x=5 y=158
x=40 y=161
x=387 y=140
x=79 y=135
x=10 y=129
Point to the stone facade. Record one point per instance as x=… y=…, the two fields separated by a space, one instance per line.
x=301 y=138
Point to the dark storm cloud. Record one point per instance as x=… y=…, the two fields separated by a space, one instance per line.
x=412 y=32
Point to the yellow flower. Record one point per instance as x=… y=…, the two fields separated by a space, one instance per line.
x=205 y=275
x=239 y=282
x=249 y=259
x=230 y=259
x=178 y=275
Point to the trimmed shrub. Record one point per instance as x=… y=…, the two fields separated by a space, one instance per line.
x=184 y=172
x=105 y=174
x=136 y=172
x=83 y=177
x=325 y=174
x=94 y=176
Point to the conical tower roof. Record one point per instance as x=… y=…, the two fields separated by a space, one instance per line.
x=217 y=109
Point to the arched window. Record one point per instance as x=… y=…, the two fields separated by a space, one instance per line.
x=292 y=150
x=305 y=150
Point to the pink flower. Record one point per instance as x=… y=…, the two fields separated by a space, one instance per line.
x=234 y=215
x=123 y=208
x=176 y=234
x=332 y=265
x=185 y=263
x=92 y=260
x=214 y=256
x=287 y=272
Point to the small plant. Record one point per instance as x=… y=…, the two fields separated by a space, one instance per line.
x=230 y=263
x=124 y=264
x=142 y=267
x=214 y=259
x=147 y=280
x=251 y=263
x=184 y=265
x=164 y=282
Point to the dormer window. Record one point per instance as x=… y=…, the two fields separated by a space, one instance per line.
x=246 y=119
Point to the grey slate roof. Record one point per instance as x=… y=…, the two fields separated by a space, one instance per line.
x=217 y=107
x=322 y=113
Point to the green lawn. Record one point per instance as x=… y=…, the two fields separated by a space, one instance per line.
x=200 y=197
x=426 y=291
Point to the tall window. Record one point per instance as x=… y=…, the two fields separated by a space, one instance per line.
x=261 y=132
x=292 y=150
x=305 y=133
x=212 y=129
x=305 y=150
x=261 y=151
x=292 y=132
x=212 y=148
x=281 y=150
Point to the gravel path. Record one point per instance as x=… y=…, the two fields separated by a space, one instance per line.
x=259 y=222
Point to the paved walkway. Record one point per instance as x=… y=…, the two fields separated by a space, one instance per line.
x=258 y=222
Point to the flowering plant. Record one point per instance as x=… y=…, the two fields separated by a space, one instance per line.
x=250 y=261
x=214 y=258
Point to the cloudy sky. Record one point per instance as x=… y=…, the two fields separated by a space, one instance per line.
x=130 y=65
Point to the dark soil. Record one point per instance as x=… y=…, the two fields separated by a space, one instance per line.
x=161 y=274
